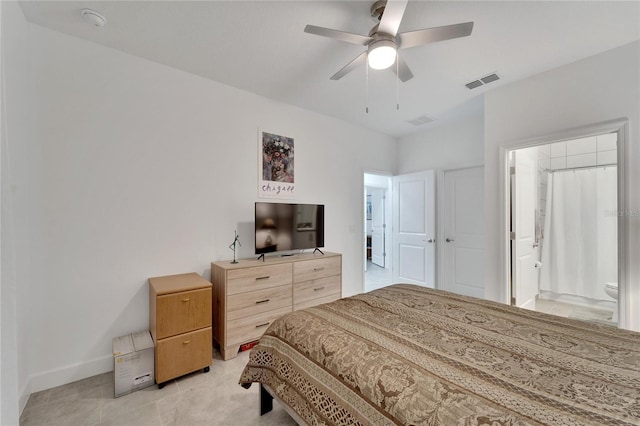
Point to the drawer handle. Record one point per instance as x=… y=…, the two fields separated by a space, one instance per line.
x=186 y=342
x=262 y=325
x=186 y=299
x=266 y=277
x=262 y=301
x=319 y=288
x=318 y=269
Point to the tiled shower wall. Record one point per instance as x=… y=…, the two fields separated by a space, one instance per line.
x=584 y=152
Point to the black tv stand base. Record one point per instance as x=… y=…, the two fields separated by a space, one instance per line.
x=261 y=256
x=317 y=249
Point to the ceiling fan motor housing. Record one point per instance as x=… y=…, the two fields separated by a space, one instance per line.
x=382 y=39
x=377 y=9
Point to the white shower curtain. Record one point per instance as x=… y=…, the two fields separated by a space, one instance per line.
x=580 y=248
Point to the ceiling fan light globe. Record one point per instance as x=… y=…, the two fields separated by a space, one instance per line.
x=381 y=56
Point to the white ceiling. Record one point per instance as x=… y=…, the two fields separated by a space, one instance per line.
x=260 y=46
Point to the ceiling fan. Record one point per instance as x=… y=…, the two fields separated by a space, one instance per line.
x=383 y=41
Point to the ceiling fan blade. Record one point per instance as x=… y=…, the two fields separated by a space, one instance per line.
x=431 y=35
x=338 y=35
x=402 y=71
x=361 y=58
x=392 y=16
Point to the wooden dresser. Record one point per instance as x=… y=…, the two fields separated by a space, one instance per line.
x=180 y=324
x=251 y=294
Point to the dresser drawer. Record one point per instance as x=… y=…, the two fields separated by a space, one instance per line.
x=180 y=312
x=315 y=302
x=316 y=268
x=252 y=327
x=255 y=302
x=315 y=289
x=183 y=354
x=258 y=278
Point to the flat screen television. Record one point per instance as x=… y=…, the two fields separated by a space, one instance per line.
x=282 y=227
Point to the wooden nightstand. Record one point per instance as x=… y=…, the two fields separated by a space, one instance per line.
x=180 y=324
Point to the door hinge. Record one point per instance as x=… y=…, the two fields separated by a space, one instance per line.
x=512 y=235
x=384 y=225
x=513 y=301
x=512 y=170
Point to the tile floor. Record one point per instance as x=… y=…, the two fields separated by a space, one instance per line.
x=574 y=311
x=213 y=398
x=376 y=277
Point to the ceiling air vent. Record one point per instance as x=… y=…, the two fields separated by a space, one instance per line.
x=474 y=84
x=419 y=121
x=482 y=81
x=491 y=77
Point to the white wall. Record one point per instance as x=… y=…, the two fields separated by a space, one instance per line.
x=148 y=171
x=596 y=89
x=19 y=194
x=451 y=144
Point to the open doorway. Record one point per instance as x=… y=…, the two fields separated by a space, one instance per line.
x=377 y=214
x=564 y=228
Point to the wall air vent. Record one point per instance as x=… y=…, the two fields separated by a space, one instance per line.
x=483 y=80
x=419 y=121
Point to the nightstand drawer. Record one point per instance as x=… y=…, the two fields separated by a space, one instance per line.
x=251 y=328
x=316 y=289
x=255 y=302
x=258 y=278
x=180 y=312
x=183 y=354
x=316 y=268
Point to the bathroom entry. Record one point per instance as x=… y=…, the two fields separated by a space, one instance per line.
x=564 y=228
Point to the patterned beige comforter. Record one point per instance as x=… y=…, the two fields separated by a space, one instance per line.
x=409 y=355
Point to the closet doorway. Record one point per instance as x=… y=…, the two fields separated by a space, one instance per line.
x=564 y=228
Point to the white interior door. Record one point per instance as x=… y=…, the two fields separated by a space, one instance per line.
x=523 y=242
x=414 y=228
x=463 y=242
x=377 y=227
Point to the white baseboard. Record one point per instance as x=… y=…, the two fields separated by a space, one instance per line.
x=69 y=373
x=529 y=304
x=23 y=397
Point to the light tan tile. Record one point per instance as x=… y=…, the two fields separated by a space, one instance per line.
x=82 y=409
x=146 y=415
x=127 y=403
x=195 y=399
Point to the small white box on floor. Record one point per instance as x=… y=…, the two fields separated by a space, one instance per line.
x=133 y=359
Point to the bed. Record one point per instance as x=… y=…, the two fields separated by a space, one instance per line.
x=406 y=354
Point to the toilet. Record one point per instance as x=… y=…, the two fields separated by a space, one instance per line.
x=612 y=290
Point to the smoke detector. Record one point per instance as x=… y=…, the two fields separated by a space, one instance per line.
x=94 y=18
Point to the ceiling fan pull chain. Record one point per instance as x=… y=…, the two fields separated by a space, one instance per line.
x=366 y=107
x=397 y=83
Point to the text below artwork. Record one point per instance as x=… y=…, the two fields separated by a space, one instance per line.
x=275 y=162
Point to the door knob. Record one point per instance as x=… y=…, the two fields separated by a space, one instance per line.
x=449 y=240
x=430 y=240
